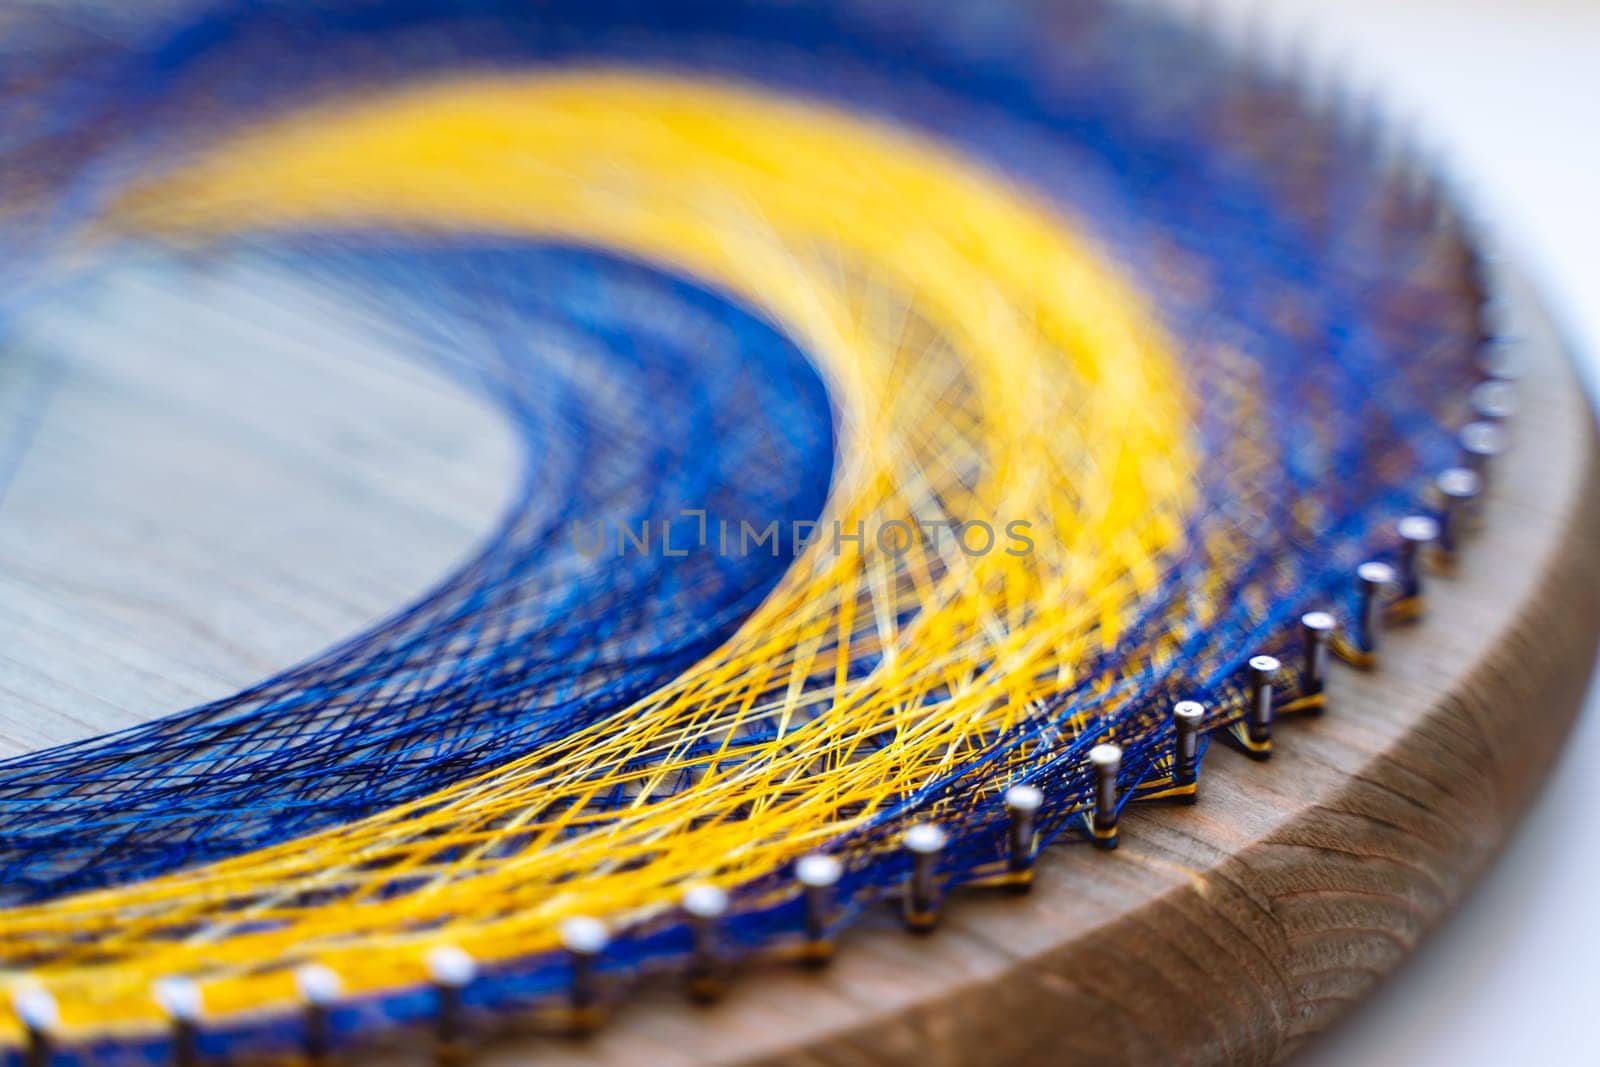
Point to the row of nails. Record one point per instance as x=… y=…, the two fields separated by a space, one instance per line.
x=1384 y=591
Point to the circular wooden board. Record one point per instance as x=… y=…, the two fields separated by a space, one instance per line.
x=1230 y=931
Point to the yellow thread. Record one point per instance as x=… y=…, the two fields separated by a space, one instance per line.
x=1351 y=654
x=988 y=367
x=1314 y=703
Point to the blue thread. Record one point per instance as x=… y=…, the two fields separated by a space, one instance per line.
x=677 y=400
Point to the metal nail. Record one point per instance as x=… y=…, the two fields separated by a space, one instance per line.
x=584 y=937
x=181 y=1000
x=1374 y=578
x=925 y=842
x=1258 y=727
x=1107 y=763
x=705 y=905
x=319 y=988
x=818 y=874
x=1316 y=632
x=451 y=969
x=1022 y=805
x=1186 y=718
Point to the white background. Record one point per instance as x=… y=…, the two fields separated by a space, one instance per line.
x=1509 y=91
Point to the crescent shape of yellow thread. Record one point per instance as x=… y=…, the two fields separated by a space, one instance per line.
x=988 y=366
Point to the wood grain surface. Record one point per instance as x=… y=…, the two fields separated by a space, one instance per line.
x=209 y=473
x=1222 y=933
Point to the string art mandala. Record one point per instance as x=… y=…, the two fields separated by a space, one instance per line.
x=933 y=425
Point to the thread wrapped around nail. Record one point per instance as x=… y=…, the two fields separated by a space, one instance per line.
x=36 y=1009
x=1316 y=636
x=1022 y=803
x=1374 y=581
x=183 y=1003
x=818 y=874
x=451 y=969
x=1187 y=716
x=584 y=938
x=1106 y=762
x=319 y=989
x=705 y=905
x=1418 y=534
x=924 y=842
x=1255 y=736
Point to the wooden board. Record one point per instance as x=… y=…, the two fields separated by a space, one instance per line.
x=1226 y=932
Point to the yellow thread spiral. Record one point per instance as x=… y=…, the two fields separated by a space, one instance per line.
x=987 y=365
